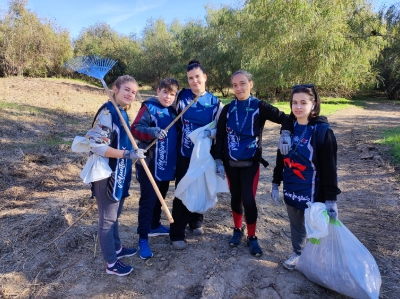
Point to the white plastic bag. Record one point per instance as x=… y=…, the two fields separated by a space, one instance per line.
x=316 y=220
x=96 y=167
x=199 y=187
x=340 y=262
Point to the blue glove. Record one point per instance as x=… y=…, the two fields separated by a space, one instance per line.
x=332 y=209
x=275 y=194
x=285 y=142
x=206 y=133
x=219 y=168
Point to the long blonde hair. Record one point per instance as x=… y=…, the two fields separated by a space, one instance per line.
x=123 y=79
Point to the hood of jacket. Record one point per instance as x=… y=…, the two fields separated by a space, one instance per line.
x=318 y=120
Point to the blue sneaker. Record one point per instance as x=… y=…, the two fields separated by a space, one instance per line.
x=126 y=252
x=119 y=269
x=255 y=249
x=145 y=252
x=237 y=237
x=159 y=231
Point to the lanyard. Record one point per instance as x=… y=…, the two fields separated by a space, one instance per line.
x=293 y=152
x=245 y=118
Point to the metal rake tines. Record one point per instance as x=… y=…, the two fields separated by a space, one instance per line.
x=93 y=66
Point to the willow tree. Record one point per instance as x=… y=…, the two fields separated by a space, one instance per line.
x=29 y=45
x=300 y=41
x=388 y=66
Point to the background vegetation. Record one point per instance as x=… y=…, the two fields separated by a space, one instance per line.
x=342 y=46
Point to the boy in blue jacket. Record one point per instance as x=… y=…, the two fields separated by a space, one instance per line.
x=153 y=117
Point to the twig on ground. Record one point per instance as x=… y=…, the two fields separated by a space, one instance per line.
x=95 y=245
x=272 y=285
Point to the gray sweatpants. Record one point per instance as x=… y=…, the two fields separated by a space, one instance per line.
x=107 y=231
x=297 y=228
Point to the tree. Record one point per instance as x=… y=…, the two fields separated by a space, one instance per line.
x=160 y=51
x=31 y=46
x=388 y=65
x=99 y=39
x=303 y=41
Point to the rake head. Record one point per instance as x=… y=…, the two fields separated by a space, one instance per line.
x=93 y=66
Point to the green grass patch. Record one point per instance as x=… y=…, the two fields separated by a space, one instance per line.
x=21 y=108
x=392 y=138
x=4 y=105
x=328 y=105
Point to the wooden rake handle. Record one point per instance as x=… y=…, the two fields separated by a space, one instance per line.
x=174 y=121
x=146 y=169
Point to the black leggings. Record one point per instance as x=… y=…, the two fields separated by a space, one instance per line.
x=243 y=182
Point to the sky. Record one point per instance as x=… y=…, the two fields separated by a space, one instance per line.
x=126 y=16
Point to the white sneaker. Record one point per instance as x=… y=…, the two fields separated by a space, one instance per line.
x=291 y=262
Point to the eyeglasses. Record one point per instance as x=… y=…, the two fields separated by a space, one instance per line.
x=303 y=86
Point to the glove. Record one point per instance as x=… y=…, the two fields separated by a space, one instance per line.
x=160 y=133
x=275 y=194
x=206 y=133
x=332 y=209
x=285 y=142
x=135 y=154
x=219 y=168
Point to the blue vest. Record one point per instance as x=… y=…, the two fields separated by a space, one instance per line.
x=299 y=172
x=198 y=115
x=165 y=151
x=122 y=168
x=243 y=129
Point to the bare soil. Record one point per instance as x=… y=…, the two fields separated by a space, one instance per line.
x=42 y=195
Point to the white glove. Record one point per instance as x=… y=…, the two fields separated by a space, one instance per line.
x=219 y=168
x=332 y=209
x=161 y=134
x=285 y=142
x=275 y=194
x=135 y=154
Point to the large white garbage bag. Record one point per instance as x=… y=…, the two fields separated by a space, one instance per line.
x=340 y=262
x=199 y=187
x=96 y=167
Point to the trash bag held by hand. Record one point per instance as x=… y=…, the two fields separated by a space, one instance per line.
x=199 y=187
x=316 y=220
x=340 y=262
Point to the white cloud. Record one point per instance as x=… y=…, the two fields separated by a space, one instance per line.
x=116 y=13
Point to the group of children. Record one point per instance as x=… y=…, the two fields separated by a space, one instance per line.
x=306 y=167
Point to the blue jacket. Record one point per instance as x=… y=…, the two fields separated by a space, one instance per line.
x=309 y=171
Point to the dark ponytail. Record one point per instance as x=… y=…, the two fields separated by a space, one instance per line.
x=194 y=64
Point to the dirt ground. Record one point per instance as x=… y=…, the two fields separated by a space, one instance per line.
x=42 y=195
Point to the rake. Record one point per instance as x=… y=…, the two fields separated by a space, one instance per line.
x=97 y=67
x=175 y=120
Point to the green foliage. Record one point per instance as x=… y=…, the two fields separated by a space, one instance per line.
x=214 y=45
x=388 y=64
x=31 y=46
x=392 y=138
x=160 y=52
x=103 y=41
x=334 y=44
x=307 y=41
